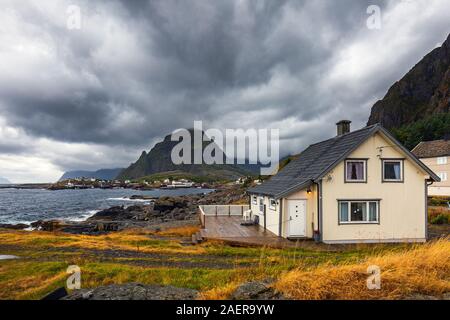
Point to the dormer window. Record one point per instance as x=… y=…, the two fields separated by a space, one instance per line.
x=356 y=170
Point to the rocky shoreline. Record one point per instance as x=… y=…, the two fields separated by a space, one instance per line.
x=163 y=211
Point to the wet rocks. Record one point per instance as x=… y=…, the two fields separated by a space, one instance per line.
x=134 y=291
x=164 y=204
x=50 y=225
x=163 y=210
x=19 y=226
x=113 y=214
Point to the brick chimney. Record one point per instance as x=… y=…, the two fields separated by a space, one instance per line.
x=343 y=127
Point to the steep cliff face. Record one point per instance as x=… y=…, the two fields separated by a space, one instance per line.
x=423 y=91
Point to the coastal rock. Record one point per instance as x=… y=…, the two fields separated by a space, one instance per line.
x=80 y=228
x=141 y=197
x=19 y=226
x=50 y=225
x=134 y=291
x=113 y=214
x=164 y=204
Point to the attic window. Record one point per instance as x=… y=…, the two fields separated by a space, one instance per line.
x=392 y=170
x=355 y=170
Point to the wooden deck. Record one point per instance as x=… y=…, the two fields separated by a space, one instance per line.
x=230 y=230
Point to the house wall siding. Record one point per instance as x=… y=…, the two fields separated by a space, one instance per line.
x=402 y=205
x=272 y=216
x=441 y=188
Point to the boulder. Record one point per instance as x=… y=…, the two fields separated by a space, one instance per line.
x=134 y=291
x=49 y=225
x=256 y=290
x=113 y=214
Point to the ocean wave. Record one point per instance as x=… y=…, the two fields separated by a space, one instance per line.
x=83 y=217
x=130 y=200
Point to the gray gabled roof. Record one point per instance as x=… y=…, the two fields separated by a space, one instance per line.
x=318 y=159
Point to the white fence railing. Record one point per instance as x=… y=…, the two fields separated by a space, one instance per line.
x=221 y=210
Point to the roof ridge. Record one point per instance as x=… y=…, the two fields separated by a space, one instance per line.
x=345 y=134
x=334 y=142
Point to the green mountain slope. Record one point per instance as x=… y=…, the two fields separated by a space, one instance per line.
x=158 y=160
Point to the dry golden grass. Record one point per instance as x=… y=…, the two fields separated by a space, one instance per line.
x=219 y=293
x=423 y=269
x=185 y=231
x=301 y=274
x=125 y=240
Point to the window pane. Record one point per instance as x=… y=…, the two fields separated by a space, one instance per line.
x=392 y=170
x=355 y=170
x=273 y=203
x=344 y=211
x=358 y=211
x=373 y=211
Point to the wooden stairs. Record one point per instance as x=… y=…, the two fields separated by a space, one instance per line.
x=196 y=238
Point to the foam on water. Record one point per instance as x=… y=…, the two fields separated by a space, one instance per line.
x=26 y=206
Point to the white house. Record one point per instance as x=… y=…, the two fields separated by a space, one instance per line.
x=357 y=187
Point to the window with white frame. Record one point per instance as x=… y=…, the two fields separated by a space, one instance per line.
x=272 y=204
x=355 y=170
x=392 y=170
x=254 y=200
x=443 y=176
x=442 y=160
x=354 y=211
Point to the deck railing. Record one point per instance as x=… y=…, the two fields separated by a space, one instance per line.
x=221 y=210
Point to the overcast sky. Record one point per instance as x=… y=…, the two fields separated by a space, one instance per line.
x=96 y=97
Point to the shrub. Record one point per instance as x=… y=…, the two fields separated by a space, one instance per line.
x=441 y=219
x=442 y=213
x=438 y=201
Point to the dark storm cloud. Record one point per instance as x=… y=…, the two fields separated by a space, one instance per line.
x=197 y=51
x=139 y=69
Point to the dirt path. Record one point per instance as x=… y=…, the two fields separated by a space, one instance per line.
x=128 y=257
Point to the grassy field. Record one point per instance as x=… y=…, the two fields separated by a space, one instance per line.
x=216 y=269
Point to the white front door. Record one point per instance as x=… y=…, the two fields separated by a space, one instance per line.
x=297 y=218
